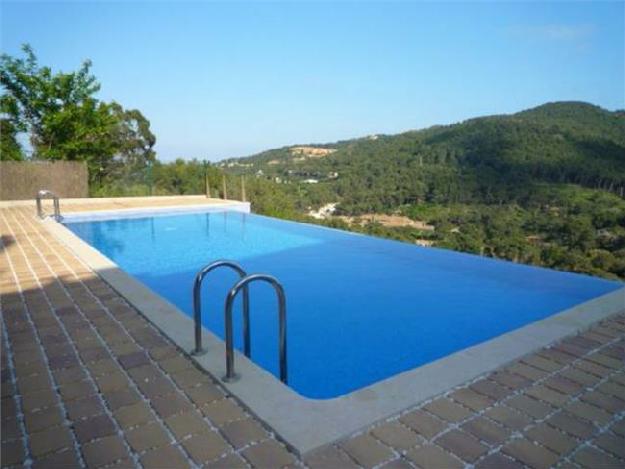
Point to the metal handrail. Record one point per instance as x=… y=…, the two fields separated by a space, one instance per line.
x=242 y=284
x=57 y=209
x=197 y=305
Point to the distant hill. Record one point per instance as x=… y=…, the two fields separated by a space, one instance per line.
x=492 y=159
x=543 y=186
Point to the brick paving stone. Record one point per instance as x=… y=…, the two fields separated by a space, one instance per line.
x=545 y=394
x=124 y=463
x=431 y=456
x=563 y=385
x=36 y=400
x=103 y=367
x=145 y=373
x=68 y=375
x=579 y=376
x=618 y=378
x=94 y=427
x=462 y=444
x=205 y=393
x=133 y=360
x=619 y=427
x=205 y=447
x=42 y=419
x=527 y=371
x=133 y=414
x=593 y=459
x=242 y=432
x=176 y=363
x=112 y=382
x=223 y=411
x=396 y=435
x=532 y=407
x=49 y=440
x=508 y=417
x=366 y=450
x=155 y=386
x=608 y=403
x=328 y=457
x=94 y=354
x=447 y=410
x=571 y=424
x=104 y=451
x=163 y=352
x=234 y=461
x=588 y=412
x=33 y=383
x=121 y=397
x=10 y=429
x=190 y=378
x=592 y=368
x=9 y=408
x=510 y=380
x=491 y=389
x=63 y=459
x=530 y=453
x=612 y=444
x=76 y=390
x=570 y=349
x=172 y=455
x=556 y=355
x=399 y=463
x=186 y=424
x=423 y=423
x=85 y=407
x=612 y=389
x=498 y=461
x=605 y=360
x=12 y=452
x=472 y=399
x=268 y=454
x=486 y=430
x=146 y=437
x=171 y=404
x=541 y=363
x=552 y=439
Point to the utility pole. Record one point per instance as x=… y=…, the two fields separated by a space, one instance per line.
x=224 y=186
x=243 y=189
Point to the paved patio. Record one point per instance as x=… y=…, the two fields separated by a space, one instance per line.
x=88 y=382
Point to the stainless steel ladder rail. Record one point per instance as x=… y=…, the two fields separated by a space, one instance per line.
x=243 y=284
x=46 y=193
x=197 y=305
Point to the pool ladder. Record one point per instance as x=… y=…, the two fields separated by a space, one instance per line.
x=46 y=193
x=241 y=285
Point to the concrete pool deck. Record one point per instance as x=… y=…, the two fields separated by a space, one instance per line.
x=562 y=404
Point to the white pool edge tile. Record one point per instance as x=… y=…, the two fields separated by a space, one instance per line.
x=306 y=424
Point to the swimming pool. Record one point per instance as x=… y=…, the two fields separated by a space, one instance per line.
x=360 y=309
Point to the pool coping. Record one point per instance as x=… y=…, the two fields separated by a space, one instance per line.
x=306 y=424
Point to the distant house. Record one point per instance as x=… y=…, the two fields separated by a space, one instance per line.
x=310 y=181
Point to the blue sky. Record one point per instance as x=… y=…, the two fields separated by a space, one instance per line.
x=229 y=79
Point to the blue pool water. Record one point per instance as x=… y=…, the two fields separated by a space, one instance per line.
x=360 y=309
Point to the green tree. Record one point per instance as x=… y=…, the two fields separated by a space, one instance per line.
x=65 y=121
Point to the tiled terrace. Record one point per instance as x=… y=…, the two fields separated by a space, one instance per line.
x=88 y=382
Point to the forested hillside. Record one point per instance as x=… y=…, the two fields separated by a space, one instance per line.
x=542 y=186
